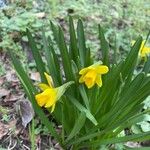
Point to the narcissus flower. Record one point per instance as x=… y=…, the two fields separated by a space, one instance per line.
x=50 y=95
x=92 y=75
x=144 y=50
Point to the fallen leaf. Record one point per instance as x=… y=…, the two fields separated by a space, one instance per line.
x=35 y=76
x=25 y=110
x=11 y=76
x=5 y=128
x=4 y=92
x=1 y=80
x=14 y=97
x=133 y=144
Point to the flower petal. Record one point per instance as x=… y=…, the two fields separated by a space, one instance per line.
x=101 y=69
x=43 y=86
x=81 y=79
x=51 y=97
x=145 y=51
x=84 y=70
x=41 y=99
x=49 y=79
x=89 y=83
x=99 y=81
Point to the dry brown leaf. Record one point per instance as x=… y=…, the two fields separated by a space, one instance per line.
x=1 y=80
x=25 y=110
x=5 y=128
x=14 y=97
x=4 y=92
x=11 y=76
x=35 y=76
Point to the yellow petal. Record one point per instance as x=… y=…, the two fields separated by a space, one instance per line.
x=84 y=70
x=43 y=86
x=90 y=78
x=41 y=99
x=143 y=43
x=101 y=69
x=81 y=79
x=51 y=98
x=49 y=79
x=89 y=83
x=46 y=98
x=99 y=80
x=145 y=51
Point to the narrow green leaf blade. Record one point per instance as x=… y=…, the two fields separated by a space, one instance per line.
x=37 y=57
x=78 y=125
x=31 y=91
x=136 y=137
x=83 y=109
x=131 y=59
x=65 y=56
x=73 y=41
x=81 y=42
x=104 y=46
x=84 y=96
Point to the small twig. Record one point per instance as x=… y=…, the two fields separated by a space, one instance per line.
x=9 y=146
x=26 y=147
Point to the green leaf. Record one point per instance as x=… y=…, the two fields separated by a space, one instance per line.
x=73 y=41
x=83 y=109
x=37 y=57
x=88 y=60
x=81 y=42
x=136 y=137
x=131 y=59
x=63 y=88
x=65 y=56
x=56 y=64
x=105 y=99
x=104 y=46
x=55 y=32
x=49 y=58
x=77 y=127
x=146 y=68
x=31 y=91
x=84 y=96
x=127 y=96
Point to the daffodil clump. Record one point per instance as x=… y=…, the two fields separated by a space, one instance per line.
x=90 y=75
x=93 y=102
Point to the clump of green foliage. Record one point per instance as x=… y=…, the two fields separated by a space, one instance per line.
x=90 y=118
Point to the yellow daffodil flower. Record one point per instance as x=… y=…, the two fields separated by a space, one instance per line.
x=92 y=75
x=50 y=95
x=144 y=50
